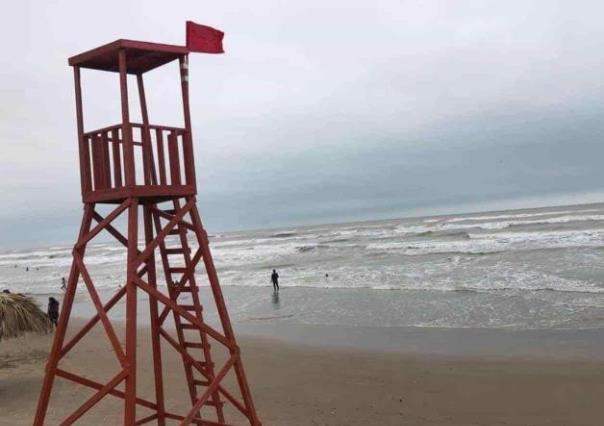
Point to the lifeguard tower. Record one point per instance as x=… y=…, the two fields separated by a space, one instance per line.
x=147 y=172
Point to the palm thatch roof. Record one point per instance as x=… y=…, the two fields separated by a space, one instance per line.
x=20 y=314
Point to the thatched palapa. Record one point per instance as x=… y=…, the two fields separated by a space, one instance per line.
x=19 y=314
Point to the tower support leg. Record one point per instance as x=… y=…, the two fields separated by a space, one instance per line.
x=225 y=320
x=59 y=338
x=207 y=392
x=130 y=400
x=154 y=319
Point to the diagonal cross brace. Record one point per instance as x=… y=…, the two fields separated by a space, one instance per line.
x=210 y=389
x=183 y=313
x=162 y=235
x=95 y=398
x=102 y=224
x=117 y=347
x=185 y=277
x=169 y=216
x=116 y=298
x=95 y=385
x=200 y=369
x=110 y=304
x=196 y=364
x=112 y=230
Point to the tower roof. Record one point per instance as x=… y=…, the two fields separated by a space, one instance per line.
x=141 y=56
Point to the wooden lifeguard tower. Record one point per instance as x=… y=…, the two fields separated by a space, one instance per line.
x=148 y=168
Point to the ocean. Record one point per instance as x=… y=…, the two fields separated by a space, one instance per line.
x=523 y=269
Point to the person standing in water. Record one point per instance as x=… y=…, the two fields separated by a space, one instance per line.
x=275 y=280
x=53 y=310
x=63 y=284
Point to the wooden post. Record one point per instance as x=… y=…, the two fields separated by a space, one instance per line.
x=57 y=343
x=130 y=398
x=188 y=136
x=148 y=163
x=174 y=157
x=83 y=144
x=153 y=310
x=128 y=147
x=161 y=159
x=117 y=160
x=223 y=313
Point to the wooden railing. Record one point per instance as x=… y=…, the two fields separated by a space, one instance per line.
x=160 y=156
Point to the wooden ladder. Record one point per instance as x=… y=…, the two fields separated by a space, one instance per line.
x=196 y=345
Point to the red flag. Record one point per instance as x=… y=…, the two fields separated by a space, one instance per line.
x=204 y=39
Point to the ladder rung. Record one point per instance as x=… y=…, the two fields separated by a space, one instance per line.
x=187 y=289
x=202 y=364
x=191 y=307
x=170 y=211
x=193 y=345
x=174 y=231
x=177 y=250
x=201 y=382
x=214 y=403
x=187 y=326
x=177 y=270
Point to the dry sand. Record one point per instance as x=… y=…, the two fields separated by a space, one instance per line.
x=300 y=385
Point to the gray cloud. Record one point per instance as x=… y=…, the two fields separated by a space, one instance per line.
x=318 y=112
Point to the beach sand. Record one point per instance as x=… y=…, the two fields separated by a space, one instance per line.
x=296 y=384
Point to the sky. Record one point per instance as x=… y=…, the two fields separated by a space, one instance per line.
x=320 y=111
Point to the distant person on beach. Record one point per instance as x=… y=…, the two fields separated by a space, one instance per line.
x=27 y=269
x=53 y=310
x=275 y=280
x=63 y=285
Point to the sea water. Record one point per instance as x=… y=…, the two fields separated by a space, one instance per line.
x=523 y=269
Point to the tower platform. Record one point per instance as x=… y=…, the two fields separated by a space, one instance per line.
x=161 y=161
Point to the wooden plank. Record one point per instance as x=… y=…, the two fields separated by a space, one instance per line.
x=95 y=385
x=148 y=166
x=129 y=167
x=187 y=136
x=161 y=158
x=87 y=160
x=160 y=193
x=159 y=126
x=174 y=159
x=85 y=178
x=103 y=129
x=97 y=164
x=90 y=402
x=105 y=158
x=102 y=162
x=117 y=159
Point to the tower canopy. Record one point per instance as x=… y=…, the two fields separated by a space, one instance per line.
x=142 y=56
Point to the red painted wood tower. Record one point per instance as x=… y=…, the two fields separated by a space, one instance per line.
x=146 y=173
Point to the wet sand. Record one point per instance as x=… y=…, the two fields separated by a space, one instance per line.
x=297 y=384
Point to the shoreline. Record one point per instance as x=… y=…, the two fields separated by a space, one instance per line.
x=289 y=323
x=439 y=343
x=359 y=307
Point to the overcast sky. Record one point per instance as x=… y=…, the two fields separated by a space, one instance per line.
x=320 y=111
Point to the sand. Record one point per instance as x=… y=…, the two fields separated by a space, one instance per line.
x=295 y=384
